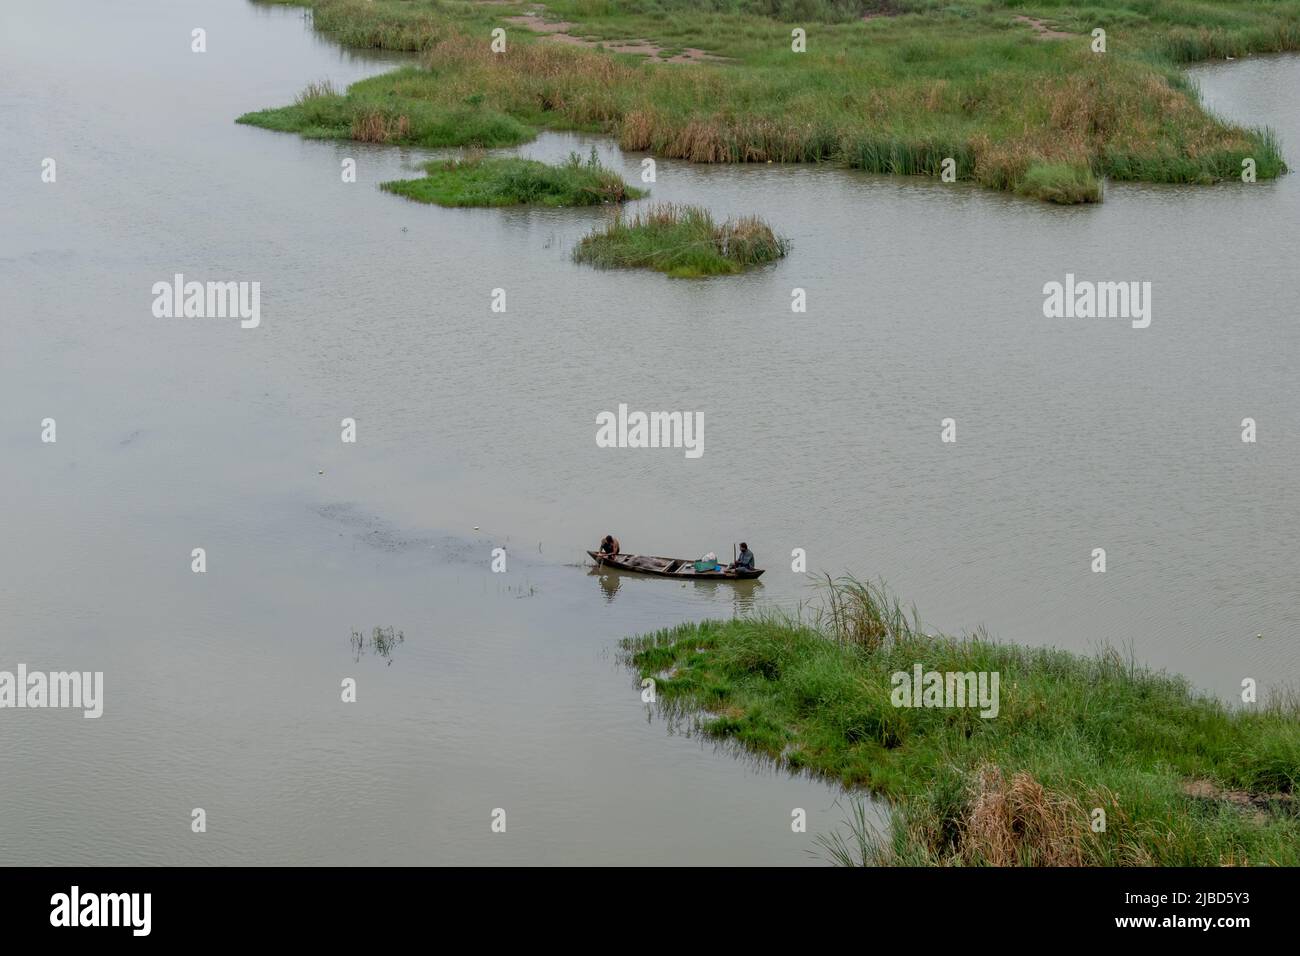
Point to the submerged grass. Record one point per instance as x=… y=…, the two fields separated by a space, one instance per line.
x=476 y=181
x=919 y=82
x=1181 y=779
x=682 y=241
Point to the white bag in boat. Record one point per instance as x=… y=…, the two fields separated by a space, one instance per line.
x=709 y=557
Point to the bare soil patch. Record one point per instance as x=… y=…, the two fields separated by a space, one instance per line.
x=1257 y=804
x=557 y=31
x=1042 y=31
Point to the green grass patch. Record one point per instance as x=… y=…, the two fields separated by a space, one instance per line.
x=515 y=182
x=1182 y=779
x=682 y=241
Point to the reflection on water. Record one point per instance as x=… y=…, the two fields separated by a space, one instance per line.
x=610 y=581
x=743 y=595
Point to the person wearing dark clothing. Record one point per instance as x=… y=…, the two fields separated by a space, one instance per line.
x=609 y=545
x=744 y=561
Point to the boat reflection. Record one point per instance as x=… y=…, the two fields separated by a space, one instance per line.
x=744 y=594
x=610 y=581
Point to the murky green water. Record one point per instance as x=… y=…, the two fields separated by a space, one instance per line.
x=822 y=433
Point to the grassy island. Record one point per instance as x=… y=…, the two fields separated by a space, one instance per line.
x=1015 y=94
x=682 y=241
x=513 y=182
x=1177 y=778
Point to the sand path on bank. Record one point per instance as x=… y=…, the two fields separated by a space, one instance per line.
x=1042 y=30
x=557 y=31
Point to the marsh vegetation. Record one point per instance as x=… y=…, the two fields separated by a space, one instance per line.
x=1179 y=778
x=1013 y=93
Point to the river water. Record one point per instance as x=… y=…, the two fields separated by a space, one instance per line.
x=476 y=431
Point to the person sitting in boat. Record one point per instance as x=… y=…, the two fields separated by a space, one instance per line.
x=609 y=545
x=744 y=561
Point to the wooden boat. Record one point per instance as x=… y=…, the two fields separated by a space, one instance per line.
x=667 y=567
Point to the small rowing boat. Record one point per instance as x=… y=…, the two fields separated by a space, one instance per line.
x=668 y=567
